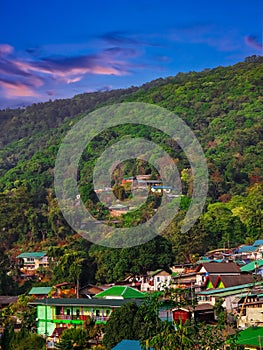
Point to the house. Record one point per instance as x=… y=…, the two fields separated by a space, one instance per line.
x=224 y=281
x=251 y=314
x=201 y=313
x=53 y=313
x=31 y=261
x=251 y=338
x=228 y=294
x=120 y=292
x=155 y=280
x=215 y=269
x=184 y=280
x=40 y=292
x=6 y=300
x=248 y=253
x=64 y=290
x=89 y=291
x=119 y=209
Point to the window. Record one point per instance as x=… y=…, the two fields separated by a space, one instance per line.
x=107 y=312
x=68 y=312
x=97 y=313
x=30 y=259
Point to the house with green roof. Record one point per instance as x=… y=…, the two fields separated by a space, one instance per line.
x=31 y=261
x=53 y=313
x=120 y=292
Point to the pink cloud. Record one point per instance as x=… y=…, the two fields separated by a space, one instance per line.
x=253 y=42
x=26 y=75
x=6 y=49
x=11 y=90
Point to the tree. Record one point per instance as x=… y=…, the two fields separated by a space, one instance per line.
x=121 y=325
x=73 y=338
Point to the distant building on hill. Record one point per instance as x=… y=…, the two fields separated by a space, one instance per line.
x=31 y=261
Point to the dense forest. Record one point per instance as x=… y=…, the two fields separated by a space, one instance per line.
x=223 y=106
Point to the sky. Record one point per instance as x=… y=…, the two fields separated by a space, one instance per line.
x=58 y=49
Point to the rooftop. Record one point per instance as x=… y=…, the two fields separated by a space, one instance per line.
x=83 y=302
x=32 y=254
x=40 y=290
x=252 y=266
x=220 y=267
x=251 y=336
x=120 y=292
x=247 y=249
x=229 y=289
x=258 y=243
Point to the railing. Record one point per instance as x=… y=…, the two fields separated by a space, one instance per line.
x=81 y=317
x=101 y=318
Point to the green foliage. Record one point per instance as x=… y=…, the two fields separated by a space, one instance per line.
x=115 y=264
x=73 y=338
x=223 y=106
x=22 y=340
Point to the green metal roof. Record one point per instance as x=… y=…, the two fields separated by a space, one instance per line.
x=251 y=336
x=124 y=292
x=253 y=265
x=32 y=254
x=40 y=290
x=229 y=289
x=84 y=302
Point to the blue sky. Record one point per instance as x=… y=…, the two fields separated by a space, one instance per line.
x=57 y=49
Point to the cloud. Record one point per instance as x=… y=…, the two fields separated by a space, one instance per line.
x=22 y=76
x=13 y=89
x=253 y=41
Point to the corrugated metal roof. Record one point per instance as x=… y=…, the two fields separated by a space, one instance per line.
x=258 y=242
x=219 y=267
x=32 y=254
x=229 y=289
x=84 y=302
x=40 y=290
x=247 y=249
x=253 y=265
x=124 y=292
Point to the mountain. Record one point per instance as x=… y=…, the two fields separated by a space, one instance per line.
x=223 y=106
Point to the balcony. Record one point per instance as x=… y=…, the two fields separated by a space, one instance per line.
x=81 y=317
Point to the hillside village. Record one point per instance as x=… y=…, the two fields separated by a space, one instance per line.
x=199 y=290
x=232 y=276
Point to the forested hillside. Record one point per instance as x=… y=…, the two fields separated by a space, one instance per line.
x=223 y=106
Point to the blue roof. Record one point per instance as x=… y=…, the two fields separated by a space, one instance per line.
x=247 y=249
x=258 y=242
x=128 y=345
x=163 y=187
